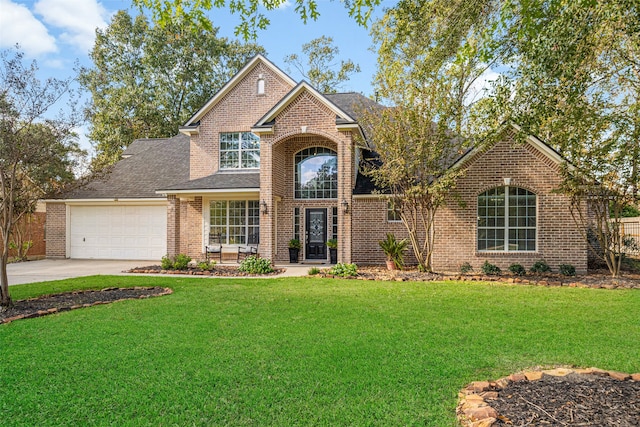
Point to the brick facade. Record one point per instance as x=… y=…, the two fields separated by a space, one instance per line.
x=289 y=119
x=558 y=239
x=56 y=230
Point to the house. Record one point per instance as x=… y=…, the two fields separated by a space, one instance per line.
x=268 y=159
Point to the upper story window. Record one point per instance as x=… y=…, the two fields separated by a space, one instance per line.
x=316 y=174
x=260 y=86
x=239 y=150
x=507 y=220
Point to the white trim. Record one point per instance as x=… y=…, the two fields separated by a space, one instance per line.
x=115 y=201
x=67 y=232
x=244 y=71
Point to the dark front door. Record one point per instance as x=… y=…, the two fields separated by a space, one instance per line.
x=316 y=231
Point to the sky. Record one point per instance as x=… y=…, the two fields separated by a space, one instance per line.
x=59 y=34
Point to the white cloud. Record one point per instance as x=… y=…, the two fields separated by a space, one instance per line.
x=18 y=25
x=482 y=86
x=78 y=19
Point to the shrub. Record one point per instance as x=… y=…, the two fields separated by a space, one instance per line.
x=344 y=270
x=207 y=265
x=490 y=269
x=313 y=271
x=166 y=263
x=540 y=267
x=256 y=265
x=181 y=262
x=294 y=244
x=517 y=269
x=332 y=243
x=567 y=270
x=466 y=268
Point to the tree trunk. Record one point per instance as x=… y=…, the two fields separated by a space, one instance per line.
x=5 y=298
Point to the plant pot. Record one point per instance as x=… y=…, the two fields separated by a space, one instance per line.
x=333 y=255
x=391 y=265
x=293 y=255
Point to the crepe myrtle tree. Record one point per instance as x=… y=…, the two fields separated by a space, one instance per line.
x=37 y=153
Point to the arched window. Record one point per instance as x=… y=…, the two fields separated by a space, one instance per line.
x=316 y=174
x=260 y=86
x=507 y=220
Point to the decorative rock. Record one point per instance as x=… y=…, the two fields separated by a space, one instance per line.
x=489 y=395
x=516 y=377
x=487 y=422
x=481 y=413
x=635 y=377
x=621 y=376
x=559 y=372
x=479 y=386
x=533 y=376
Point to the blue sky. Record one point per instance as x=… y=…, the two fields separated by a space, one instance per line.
x=60 y=33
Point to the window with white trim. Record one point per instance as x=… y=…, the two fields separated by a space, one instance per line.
x=507 y=220
x=234 y=222
x=239 y=150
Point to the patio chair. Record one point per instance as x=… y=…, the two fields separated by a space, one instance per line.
x=214 y=248
x=250 y=249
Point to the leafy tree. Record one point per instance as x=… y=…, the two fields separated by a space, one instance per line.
x=321 y=60
x=576 y=84
x=147 y=80
x=431 y=122
x=36 y=153
x=252 y=18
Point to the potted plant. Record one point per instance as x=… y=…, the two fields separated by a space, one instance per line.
x=394 y=250
x=294 y=250
x=332 y=244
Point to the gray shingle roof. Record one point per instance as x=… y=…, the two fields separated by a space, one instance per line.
x=219 y=181
x=153 y=164
x=353 y=103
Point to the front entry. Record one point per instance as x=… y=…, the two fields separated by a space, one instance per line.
x=316 y=234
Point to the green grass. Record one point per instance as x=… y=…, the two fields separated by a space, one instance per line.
x=300 y=351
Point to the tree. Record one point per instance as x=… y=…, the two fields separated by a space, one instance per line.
x=576 y=83
x=36 y=153
x=166 y=12
x=430 y=124
x=321 y=56
x=147 y=80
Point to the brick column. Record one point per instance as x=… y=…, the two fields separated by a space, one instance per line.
x=345 y=193
x=267 y=237
x=173 y=225
x=56 y=230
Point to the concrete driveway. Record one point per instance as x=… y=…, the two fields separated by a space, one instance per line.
x=56 y=269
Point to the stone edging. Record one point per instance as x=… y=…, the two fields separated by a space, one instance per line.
x=40 y=313
x=474 y=411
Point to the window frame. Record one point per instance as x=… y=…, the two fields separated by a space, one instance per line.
x=250 y=221
x=297 y=186
x=393 y=214
x=239 y=151
x=508 y=218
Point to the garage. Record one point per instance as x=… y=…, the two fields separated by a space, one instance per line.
x=134 y=232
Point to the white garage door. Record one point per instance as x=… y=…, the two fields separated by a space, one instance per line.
x=118 y=232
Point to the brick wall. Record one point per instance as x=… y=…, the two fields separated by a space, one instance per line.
x=56 y=230
x=240 y=109
x=558 y=240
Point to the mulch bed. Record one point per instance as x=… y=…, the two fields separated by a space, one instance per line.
x=49 y=304
x=595 y=278
x=219 y=271
x=559 y=397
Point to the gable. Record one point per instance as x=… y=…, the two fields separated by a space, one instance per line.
x=258 y=62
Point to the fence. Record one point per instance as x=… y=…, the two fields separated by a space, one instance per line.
x=630 y=229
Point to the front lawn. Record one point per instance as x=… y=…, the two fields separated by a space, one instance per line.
x=298 y=351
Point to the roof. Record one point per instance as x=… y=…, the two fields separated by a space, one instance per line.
x=224 y=180
x=353 y=103
x=149 y=164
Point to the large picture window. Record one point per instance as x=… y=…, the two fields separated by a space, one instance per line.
x=507 y=220
x=239 y=150
x=234 y=222
x=316 y=174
